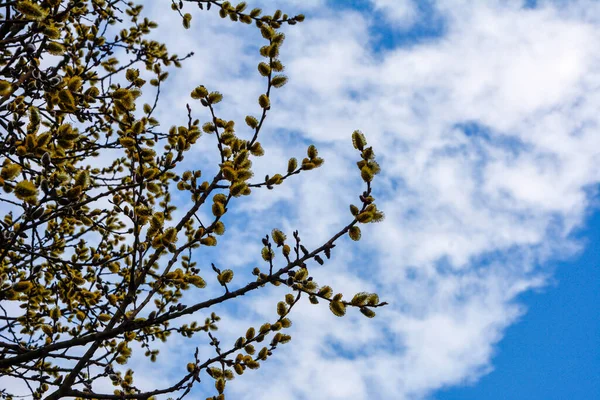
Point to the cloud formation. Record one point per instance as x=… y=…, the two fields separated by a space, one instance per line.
x=488 y=138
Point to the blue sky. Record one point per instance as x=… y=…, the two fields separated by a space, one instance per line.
x=552 y=352
x=484 y=117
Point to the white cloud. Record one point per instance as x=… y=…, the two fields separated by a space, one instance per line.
x=469 y=217
x=402 y=13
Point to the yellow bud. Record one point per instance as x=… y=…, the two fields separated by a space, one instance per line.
x=66 y=97
x=326 y=292
x=337 y=308
x=249 y=349
x=257 y=150
x=5 y=88
x=219 y=228
x=276 y=179
x=278 y=237
x=218 y=209
x=359 y=299
x=250 y=333
x=238 y=188
x=292 y=165
x=358 y=140
x=220 y=385
x=251 y=122
x=10 y=171
x=354 y=233
x=214 y=97
x=301 y=274
x=199 y=92
x=264 y=69
x=209 y=127
x=267 y=254
x=82 y=179
x=279 y=80
x=11 y=295
x=286 y=323
x=229 y=173
x=26 y=190
x=364 y=217
x=55 y=313
x=366 y=174
x=244 y=174
x=367 y=312
x=262 y=354
x=238 y=369
x=104 y=317
x=197 y=281
x=373 y=299
x=47 y=329
x=264 y=101
x=44 y=139
x=281 y=309
x=31 y=10
x=55 y=48
x=187 y=18
x=266 y=327
x=209 y=241
x=225 y=277
x=220 y=198
x=267 y=32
